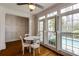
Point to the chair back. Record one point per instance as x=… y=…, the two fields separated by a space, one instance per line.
x=26 y=35
x=36 y=41
x=21 y=40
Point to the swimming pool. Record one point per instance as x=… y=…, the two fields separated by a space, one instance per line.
x=70 y=42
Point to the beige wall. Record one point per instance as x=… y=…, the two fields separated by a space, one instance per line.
x=2 y=28
x=14 y=27
x=34 y=25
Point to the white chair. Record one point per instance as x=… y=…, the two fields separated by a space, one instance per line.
x=26 y=35
x=36 y=45
x=24 y=44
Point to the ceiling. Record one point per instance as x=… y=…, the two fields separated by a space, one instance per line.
x=24 y=8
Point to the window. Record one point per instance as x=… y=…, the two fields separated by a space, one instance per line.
x=40 y=27
x=68 y=38
x=66 y=9
x=76 y=23
x=76 y=6
x=40 y=18
x=51 y=25
x=67 y=23
x=52 y=14
x=70 y=33
x=51 y=32
x=70 y=8
x=41 y=30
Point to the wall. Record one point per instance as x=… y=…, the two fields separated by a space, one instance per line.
x=16 y=12
x=33 y=25
x=14 y=27
x=3 y=12
x=2 y=28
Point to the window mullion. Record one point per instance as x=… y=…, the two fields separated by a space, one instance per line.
x=72 y=32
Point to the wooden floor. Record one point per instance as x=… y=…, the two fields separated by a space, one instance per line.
x=14 y=49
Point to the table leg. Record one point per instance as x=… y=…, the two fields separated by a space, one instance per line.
x=30 y=49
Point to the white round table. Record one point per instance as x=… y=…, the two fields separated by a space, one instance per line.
x=31 y=38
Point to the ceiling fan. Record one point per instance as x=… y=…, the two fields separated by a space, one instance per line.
x=32 y=6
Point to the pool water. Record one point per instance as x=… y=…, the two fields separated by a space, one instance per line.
x=70 y=42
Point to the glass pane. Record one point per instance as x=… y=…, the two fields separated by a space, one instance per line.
x=40 y=18
x=51 y=25
x=76 y=41
x=76 y=6
x=41 y=36
x=52 y=38
x=41 y=30
x=69 y=42
x=69 y=48
x=64 y=47
x=67 y=23
x=64 y=41
x=76 y=23
x=41 y=25
x=52 y=14
x=64 y=23
x=66 y=9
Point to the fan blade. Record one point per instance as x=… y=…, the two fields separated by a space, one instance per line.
x=39 y=6
x=22 y=3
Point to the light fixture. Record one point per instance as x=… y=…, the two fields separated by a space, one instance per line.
x=32 y=6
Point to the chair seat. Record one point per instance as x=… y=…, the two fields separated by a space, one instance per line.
x=26 y=45
x=35 y=46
